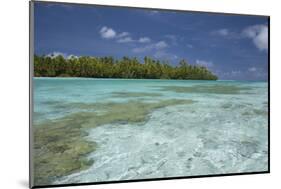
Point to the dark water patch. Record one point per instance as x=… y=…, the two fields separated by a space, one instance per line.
x=197 y=154
x=247 y=148
x=265 y=103
x=130 y=112
x=37 y=115
x=236 y=106
x=134 y=94
x=48 y=89
x=210 y=89
x=255 y=112
x=60 y=146
x=50 y=102
x=68 y=107
x=226 y=105
x=260 y=111
x=247 y=113
x=210 y=144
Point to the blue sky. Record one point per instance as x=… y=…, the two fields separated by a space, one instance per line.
x=232 y=46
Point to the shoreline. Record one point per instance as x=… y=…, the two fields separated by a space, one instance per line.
x=95 y=78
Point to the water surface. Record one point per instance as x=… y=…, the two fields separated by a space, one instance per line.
x=184 y=127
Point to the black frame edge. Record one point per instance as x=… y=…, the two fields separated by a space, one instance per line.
x=31 y=55
x=268 y=81
x=149 y=180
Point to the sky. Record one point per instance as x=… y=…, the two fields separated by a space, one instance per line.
x=234 y=47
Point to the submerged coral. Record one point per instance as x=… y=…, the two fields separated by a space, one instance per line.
x=135 y=94
x=211 y=89
x=60 y=146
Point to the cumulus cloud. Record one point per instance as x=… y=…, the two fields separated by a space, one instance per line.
x=259 y=35
x=72 y=56
x=155 y=46
x=160 y=45
x=66 y=56
x=56 y=54
x=107 y=33
x=123 y=34
x=128 y=39
x=204 y=63
x=144 y=40
x=122 y=37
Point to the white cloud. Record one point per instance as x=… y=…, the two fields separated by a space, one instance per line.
x=72 y=56
x=160 y=45
x=155 y=46
x=252 y=69
x=66 y=56
x=204 y=63
x=125 y=40
x=56 y=54
x=123 y=34
x=128 y=39
x=222 y=32
x=107 y=33
x=122 y=37
x=259 y=35
x=144 y=40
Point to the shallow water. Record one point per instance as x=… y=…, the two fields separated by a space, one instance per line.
x=224 y=130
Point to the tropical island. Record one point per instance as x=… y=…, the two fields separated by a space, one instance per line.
x=108 y=67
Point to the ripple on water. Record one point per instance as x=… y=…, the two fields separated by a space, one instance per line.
x=161 y=148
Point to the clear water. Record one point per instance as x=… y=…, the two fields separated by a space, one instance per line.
x=219 y=133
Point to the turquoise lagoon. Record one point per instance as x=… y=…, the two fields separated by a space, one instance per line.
x=224 y=129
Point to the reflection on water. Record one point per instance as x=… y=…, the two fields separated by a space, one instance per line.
x=135 y=129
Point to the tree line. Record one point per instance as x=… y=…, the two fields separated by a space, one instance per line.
x=108 y=67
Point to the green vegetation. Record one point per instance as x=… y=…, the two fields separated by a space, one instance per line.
x=107 y=67
x=212 y=89
x=60 y=146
